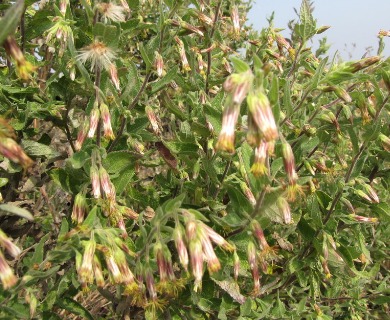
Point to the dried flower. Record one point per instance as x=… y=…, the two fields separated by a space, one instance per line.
x=110 y=11
x=384 y=33
x=100 y=56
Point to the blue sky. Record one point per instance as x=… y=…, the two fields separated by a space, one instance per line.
x=352 y=22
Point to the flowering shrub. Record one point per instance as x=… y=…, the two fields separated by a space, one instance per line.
x=164 y=159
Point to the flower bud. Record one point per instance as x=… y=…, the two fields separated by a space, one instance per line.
x=158 y=63
x=254 y=266
x=284 y=209
x=7 y=277
x=348 y=204
x=260 y=109
x=153 y=120
x=11 y=150
x=23 y=67
x=178 y=237
x=248 y=193
x=95 y=180
x=93 y=121
x=371 y=193
x=289 y=162
x=236 y=265
x=259 y=234
x=259 y=167
x=205 y=19
x=213 y=263
x=216 y=238
x=196 y=256
x=227 y=134
x=8 y=245
x=79 y=208
x=182 y=53
x=85 y=271
x=150 y=284
x=127 y=276
x=361 y=194
x=363 y=219
x=385 y=141
x=105 y=182
x=363 y=63
x=84 y=128
x=98 y=272
x=236 y=21
x=106 y=118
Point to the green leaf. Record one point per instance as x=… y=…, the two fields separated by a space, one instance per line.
x=74 y=307
x=307 y=26
x=36 y=149
x=287 y=98
x=3 y=182
x=160 y=84
x=317 y=76
x=148 y=58
x=117 y=161
x=107 y=33
x=239 y=65
x=231 y=288
x=17 y=211
x=314 y=210
x=306 y=230
x=38 y=255
x=11 y=20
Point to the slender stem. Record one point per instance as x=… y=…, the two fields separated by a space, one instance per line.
x=227 y=167
x=22 y=32
x=98 y=76
x=123 y=119
x=216 y=16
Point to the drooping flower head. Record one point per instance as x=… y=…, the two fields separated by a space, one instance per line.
x=98 y=54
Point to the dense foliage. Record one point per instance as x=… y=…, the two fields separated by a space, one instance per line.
x=163 y=159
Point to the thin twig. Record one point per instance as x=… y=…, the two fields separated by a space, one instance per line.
x=227 y=167
x=210 y=40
